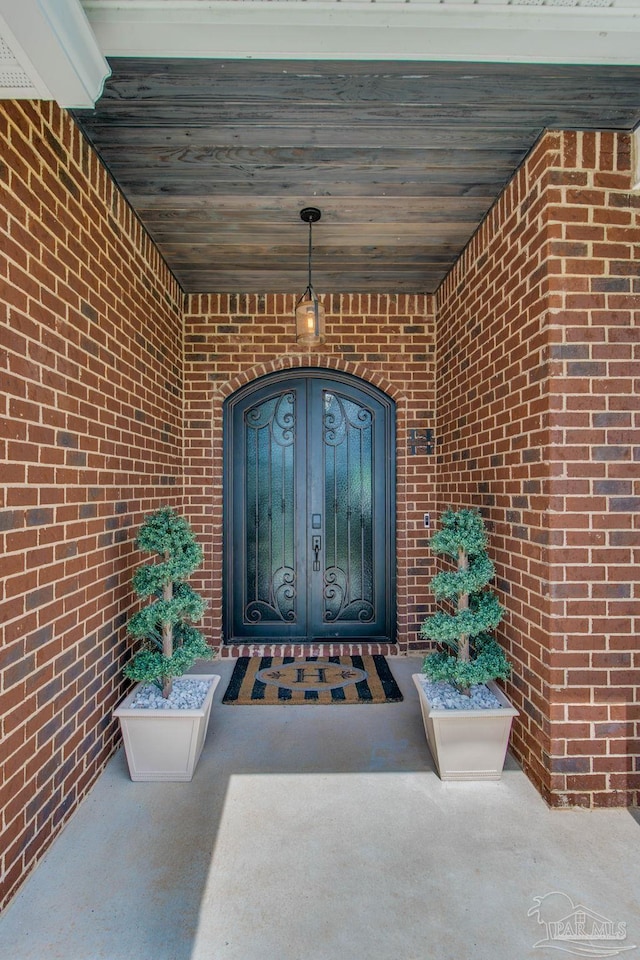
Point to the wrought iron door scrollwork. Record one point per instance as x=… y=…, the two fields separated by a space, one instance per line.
x=270 y=433
x=337 y=603
x=278 y=414
x=348 y=589
x=282 y=599
x=339 y=415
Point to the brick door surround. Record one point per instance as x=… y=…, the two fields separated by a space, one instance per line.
x=209 y=523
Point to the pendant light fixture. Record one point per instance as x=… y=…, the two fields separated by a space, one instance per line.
x=309 y=311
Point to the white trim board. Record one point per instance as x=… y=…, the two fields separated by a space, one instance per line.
x=556 y=31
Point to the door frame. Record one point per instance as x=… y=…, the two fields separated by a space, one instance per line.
x=338 y=377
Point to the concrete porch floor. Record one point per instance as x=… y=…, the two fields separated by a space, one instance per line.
x=313 y=833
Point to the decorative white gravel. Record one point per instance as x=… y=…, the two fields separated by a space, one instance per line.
x=185 y=695
x=442 y=696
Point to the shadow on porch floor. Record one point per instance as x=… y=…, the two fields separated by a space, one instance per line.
x=314 y=833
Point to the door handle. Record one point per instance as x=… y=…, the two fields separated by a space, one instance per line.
x=316 y=546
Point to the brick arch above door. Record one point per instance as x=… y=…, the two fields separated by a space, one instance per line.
x=318 y=361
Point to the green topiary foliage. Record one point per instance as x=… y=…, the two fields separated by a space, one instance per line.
x=489 y=663
x=474 y=657
x=171 y=644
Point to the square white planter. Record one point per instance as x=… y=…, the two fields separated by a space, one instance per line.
x=165 y=744
x=467 y=744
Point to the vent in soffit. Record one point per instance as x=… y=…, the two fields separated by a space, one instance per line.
x=15 y=82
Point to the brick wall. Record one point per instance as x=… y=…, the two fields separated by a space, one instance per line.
x=90 y=438
x=387 y=340
x=537 y=416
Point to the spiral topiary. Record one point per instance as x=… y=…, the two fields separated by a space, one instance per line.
x=170 y=642
x=472 y=656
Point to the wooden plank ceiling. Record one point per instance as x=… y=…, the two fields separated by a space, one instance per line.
x=404 y=160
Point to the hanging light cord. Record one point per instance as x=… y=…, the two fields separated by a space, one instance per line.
x=310 y=288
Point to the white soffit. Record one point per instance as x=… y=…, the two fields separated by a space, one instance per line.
x=537 y=31
x=49 y=52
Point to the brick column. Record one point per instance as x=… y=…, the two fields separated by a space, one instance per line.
x=537 y=409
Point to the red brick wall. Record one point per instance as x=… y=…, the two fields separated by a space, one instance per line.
x=537 y=405
x=90 y=438
x=387 y=340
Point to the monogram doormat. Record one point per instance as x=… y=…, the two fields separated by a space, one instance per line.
x=297 y=680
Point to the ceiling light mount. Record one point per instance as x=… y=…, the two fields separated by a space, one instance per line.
x=310 y=214
x=309 y=311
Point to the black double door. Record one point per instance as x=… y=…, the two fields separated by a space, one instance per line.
x=309 y=518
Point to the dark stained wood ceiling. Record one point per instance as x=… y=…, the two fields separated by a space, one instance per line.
x=404 y=160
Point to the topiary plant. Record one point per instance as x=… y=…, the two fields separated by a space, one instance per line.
x=171 y=644
x=472 y=655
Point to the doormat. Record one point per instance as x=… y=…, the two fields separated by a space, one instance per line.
x=297 y=680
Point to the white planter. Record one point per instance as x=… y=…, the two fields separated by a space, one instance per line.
x=165 y=744
x=467 y=744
